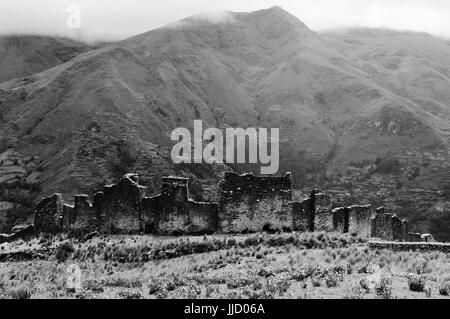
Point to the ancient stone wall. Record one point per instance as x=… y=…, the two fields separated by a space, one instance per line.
x=323 y=216
x=203 y=217
x=246 y=204
x=414 y=237
x=397 y=232
x=119 y=207
x=48 y=215
x=340 y=220
x=360 y=220
x=428 y=238
x=405 y=230
x=85 y=217
x=251 y=204
x=303 y=217
x=173 y=210
x=411 y=246
x=382 y=225
x=150 y=214
x=67 y=213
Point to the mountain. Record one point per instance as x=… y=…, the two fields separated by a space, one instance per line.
x=23 y=55
x=363 y=114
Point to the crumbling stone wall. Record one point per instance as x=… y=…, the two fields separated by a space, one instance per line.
x=250 y=204
x=414 y=237
x=303 y=217
x=150 y=214
x=428 y=238
x=173 y=210
x=397 y=232
x=202 y=217
x=405 y=230
x=173 y=213
x=119 y=207
x=382 y=225
x=67 y=213
x=340 y=220
x=48 y=215
x=411 y=246
x=83 y=217
x=323 y=213
x=360 y=220
x=246 y=204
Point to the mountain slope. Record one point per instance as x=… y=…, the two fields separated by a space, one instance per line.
x=23 y=55
x=362 y=113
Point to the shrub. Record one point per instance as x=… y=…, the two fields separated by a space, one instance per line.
x=444 y=288
x=130 y=294
x=20 y=292
x=94 y=286
x=191 y=291
x=239 y=281
x=64 y=251
x=331 y=281
x=384 y=288
x=231 y=242
x=277 y=285
x=316 y=281
x=365 y=285
x=416 y=283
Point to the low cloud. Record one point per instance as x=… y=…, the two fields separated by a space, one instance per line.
x=119 y=19
x=215 y=17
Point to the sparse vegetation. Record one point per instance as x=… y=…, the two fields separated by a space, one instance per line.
x=416 y=282
x=64 y=251
x=388 y=166
x=444 y=288
x=285 y=265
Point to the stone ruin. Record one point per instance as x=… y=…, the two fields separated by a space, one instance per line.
x=251 y=204
x=389 y=227
x=246 y=203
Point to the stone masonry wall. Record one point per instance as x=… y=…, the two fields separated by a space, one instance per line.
x=303 y=217
x=397 y=233
x=48 y=215
x=85 y=217
x=360 y=220
x=150 y=214
x=251 y=204
x=405 y=230
x=340 y=220
x=323 y=213
x=119 y=207
x=246 y=204
x=382 y=225
x=173 y=213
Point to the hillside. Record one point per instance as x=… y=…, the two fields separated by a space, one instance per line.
x=24 y=55
x=363 y=114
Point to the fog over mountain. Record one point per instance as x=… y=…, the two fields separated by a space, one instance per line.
x=363 y=113
x=105 y=20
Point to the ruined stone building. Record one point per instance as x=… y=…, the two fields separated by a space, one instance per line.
x=245 y=203
x=251 y=204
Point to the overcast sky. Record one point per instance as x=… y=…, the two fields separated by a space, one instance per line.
x=118 y=19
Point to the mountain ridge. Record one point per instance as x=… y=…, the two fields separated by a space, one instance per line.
x=347 y=106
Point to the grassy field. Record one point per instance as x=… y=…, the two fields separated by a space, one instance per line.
x=289 y=265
